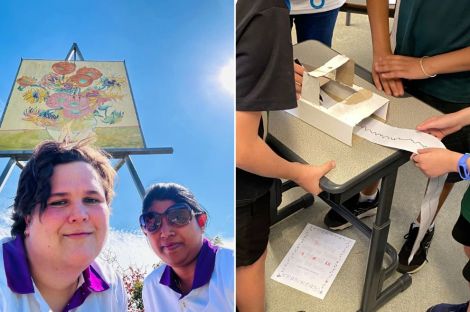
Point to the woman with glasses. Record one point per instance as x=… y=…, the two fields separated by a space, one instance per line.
x=198 y=276
x=60 y=223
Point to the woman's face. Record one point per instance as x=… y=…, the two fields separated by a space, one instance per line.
x=73 y=228
x=176 y=246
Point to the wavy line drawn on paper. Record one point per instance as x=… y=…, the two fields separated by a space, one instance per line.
x=406 y=139
x=386 y=137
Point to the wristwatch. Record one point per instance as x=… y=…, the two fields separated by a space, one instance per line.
x=463 y=168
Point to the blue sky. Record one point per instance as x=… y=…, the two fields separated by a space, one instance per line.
x=174 y=53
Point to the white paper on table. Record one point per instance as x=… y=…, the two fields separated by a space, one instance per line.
x=409 y=140
x=312 y=263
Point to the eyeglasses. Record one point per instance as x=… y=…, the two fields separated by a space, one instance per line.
x=177 y=215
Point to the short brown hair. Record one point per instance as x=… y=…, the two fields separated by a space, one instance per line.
x=34 y=186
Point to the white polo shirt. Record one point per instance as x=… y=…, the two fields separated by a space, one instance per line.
x=212 y=289
x=100 y=288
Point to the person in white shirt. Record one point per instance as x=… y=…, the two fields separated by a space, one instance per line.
x=60 y=223
x=197 y=276
x=314 y=19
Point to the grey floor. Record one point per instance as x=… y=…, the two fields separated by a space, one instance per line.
x=440 y=280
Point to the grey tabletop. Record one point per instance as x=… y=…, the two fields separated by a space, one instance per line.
x=315 y=147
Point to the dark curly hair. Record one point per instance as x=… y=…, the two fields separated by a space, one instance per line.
x=171 y=191
x=34 y=187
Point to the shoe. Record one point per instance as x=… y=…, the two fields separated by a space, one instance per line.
x=446 y=307
x=420 y=258
x=361 y=210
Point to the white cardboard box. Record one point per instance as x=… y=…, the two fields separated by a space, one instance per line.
x=332 y=103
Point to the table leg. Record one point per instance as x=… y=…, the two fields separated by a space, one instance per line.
x=348 y=18
x=373 y=297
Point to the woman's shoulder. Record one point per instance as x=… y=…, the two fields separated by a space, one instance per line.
x=155 y=275
x=224 y=255
x=5 y=239
x=224 y=262
x=106 y=271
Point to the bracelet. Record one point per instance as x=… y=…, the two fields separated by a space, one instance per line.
x=422 y=67
x=462 y=166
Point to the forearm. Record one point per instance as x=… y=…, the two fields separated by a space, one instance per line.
x=464 y=117
x=451 y=62
x=378 y=19
x=258 y=158
x=453 y=162
x=254 y=155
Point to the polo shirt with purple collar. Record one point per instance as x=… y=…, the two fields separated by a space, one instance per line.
x=99 y=287
x=212 y=289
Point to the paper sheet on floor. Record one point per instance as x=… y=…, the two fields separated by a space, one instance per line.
x=409 y=140
x=312 y=263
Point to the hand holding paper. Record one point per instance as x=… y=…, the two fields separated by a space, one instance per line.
x=443 y=125
x=435 y=162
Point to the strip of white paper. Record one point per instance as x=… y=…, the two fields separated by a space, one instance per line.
x=409 y=140
x=405 y=139
x=312 y=263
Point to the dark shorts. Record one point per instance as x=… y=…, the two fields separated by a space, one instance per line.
x=253 y=221
x=461 y=233
x=458 y=141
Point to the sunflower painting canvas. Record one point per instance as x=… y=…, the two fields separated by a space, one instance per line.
x=50 y=99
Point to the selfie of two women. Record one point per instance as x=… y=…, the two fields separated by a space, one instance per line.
x=116 y=193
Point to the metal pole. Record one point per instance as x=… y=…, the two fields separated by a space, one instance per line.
x=6 y=172
x=119 y=164
x=135 y=176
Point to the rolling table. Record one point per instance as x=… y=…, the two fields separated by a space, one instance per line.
x=356 y=167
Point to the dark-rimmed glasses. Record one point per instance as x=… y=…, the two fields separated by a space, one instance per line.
x=178 y=215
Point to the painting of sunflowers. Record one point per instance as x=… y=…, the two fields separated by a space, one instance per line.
x=53 y=99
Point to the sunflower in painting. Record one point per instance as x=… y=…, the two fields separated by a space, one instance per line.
x=35 y=95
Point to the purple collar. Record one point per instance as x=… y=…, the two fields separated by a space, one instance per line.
x=20 y=281
x=204 y=267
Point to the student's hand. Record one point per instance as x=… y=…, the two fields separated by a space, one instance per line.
x=399 y=66
x=434 y=162
x=298 y=75
x=440 y=126
x=391 y=86
x=309 y=176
